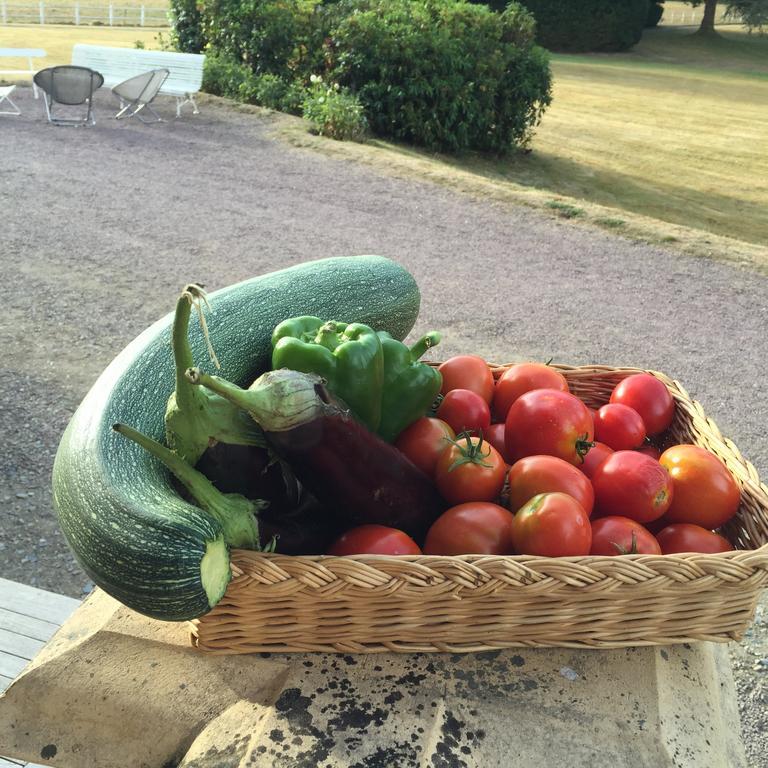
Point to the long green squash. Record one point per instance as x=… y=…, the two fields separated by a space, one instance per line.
x=129 y=529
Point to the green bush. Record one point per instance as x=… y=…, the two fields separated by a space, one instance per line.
x=655 y=12
x=335 y=112
x=444 y=74
x=186 y=26
x=588 y=25
x=261 y=34
x=293 y=98
x=223 y=76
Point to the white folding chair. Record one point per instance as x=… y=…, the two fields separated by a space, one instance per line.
x=137 y=93
x=5 y=95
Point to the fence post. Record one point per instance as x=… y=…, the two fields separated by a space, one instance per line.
x=3 y=12
x=77 y=14
x=141 y=20
x=42 y=12
x=111 y=15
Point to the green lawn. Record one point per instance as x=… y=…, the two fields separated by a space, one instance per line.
x=675 y=129
x=57 y=41
x=667 y=143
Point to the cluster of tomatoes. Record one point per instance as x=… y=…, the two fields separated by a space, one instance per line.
x=529 y=469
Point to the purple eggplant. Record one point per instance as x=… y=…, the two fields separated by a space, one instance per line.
x=348 y=468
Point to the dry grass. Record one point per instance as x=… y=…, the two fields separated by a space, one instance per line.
x=667 y=143
x=680 y=143
x=57 y=41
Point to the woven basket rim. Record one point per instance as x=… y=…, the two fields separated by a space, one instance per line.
x=678 y=393
x=451 y=604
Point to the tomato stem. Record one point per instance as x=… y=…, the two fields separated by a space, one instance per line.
x=583 y=446
x=435 y=405
x=471 y=453
x=632 y=549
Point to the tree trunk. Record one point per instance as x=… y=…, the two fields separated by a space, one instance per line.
x=708 y=22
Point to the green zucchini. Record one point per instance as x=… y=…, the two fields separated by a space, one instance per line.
x=131 y=532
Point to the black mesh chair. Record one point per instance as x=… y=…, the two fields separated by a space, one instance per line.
x=69 y=86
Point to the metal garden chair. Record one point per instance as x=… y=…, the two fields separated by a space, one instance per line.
x=70 y=86
x=5 y=95
x=137 y=93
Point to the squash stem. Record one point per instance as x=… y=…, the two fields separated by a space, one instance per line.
x=235 y=513
x=182 y=351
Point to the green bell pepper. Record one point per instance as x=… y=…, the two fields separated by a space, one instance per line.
x=348 y=356
x=410 y=386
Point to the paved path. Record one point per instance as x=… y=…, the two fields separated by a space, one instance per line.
x=102 y=226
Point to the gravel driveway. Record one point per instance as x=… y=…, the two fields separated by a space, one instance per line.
x=102 y=226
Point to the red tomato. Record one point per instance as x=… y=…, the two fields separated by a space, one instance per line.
x=467 y=372
x=522 y=378
x=649 y=397
x=686 y=537
x=470 y=470
x=593 y=458
x=552 y=525
x=632 y=485
x=495 y=436
x=544 y=474
x=465 y=411
x=374 y=540
x=621 y=536
x=424 y=441
x=477 y=528
x=705 y=492
x=649 y=449
x=546 y=421
x=619 y=427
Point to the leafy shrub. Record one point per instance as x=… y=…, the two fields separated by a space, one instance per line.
x=655 y=12
x=444 y=74
x=335 y=112
x=293 y=98
x=273 y=92
x=265 y=90
x=186 y=26
x=261 y=34
x=588 y=25
x=223 y=76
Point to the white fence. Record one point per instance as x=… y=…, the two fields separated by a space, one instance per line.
x=104 y=15
x=689 y=17
x=43 y=12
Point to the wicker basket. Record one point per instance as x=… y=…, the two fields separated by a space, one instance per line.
x=367 y=604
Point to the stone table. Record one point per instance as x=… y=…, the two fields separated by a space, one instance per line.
x=113 y=689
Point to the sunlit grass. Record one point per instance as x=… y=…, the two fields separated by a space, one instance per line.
x=57 y=42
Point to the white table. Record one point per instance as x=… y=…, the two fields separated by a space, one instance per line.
x=23 y=53
x=28 y=619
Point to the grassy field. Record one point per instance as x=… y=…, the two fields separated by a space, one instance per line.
x=667 y=143
x=675 y=130
x=57 y=41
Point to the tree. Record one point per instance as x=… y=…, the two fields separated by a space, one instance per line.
x=754 y=13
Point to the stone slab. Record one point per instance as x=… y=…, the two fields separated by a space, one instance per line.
x=113 y=689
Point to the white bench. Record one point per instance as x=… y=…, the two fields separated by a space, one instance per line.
x=22 y=53
x=118 y=64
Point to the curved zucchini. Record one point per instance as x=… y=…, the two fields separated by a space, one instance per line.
x=129 y=529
